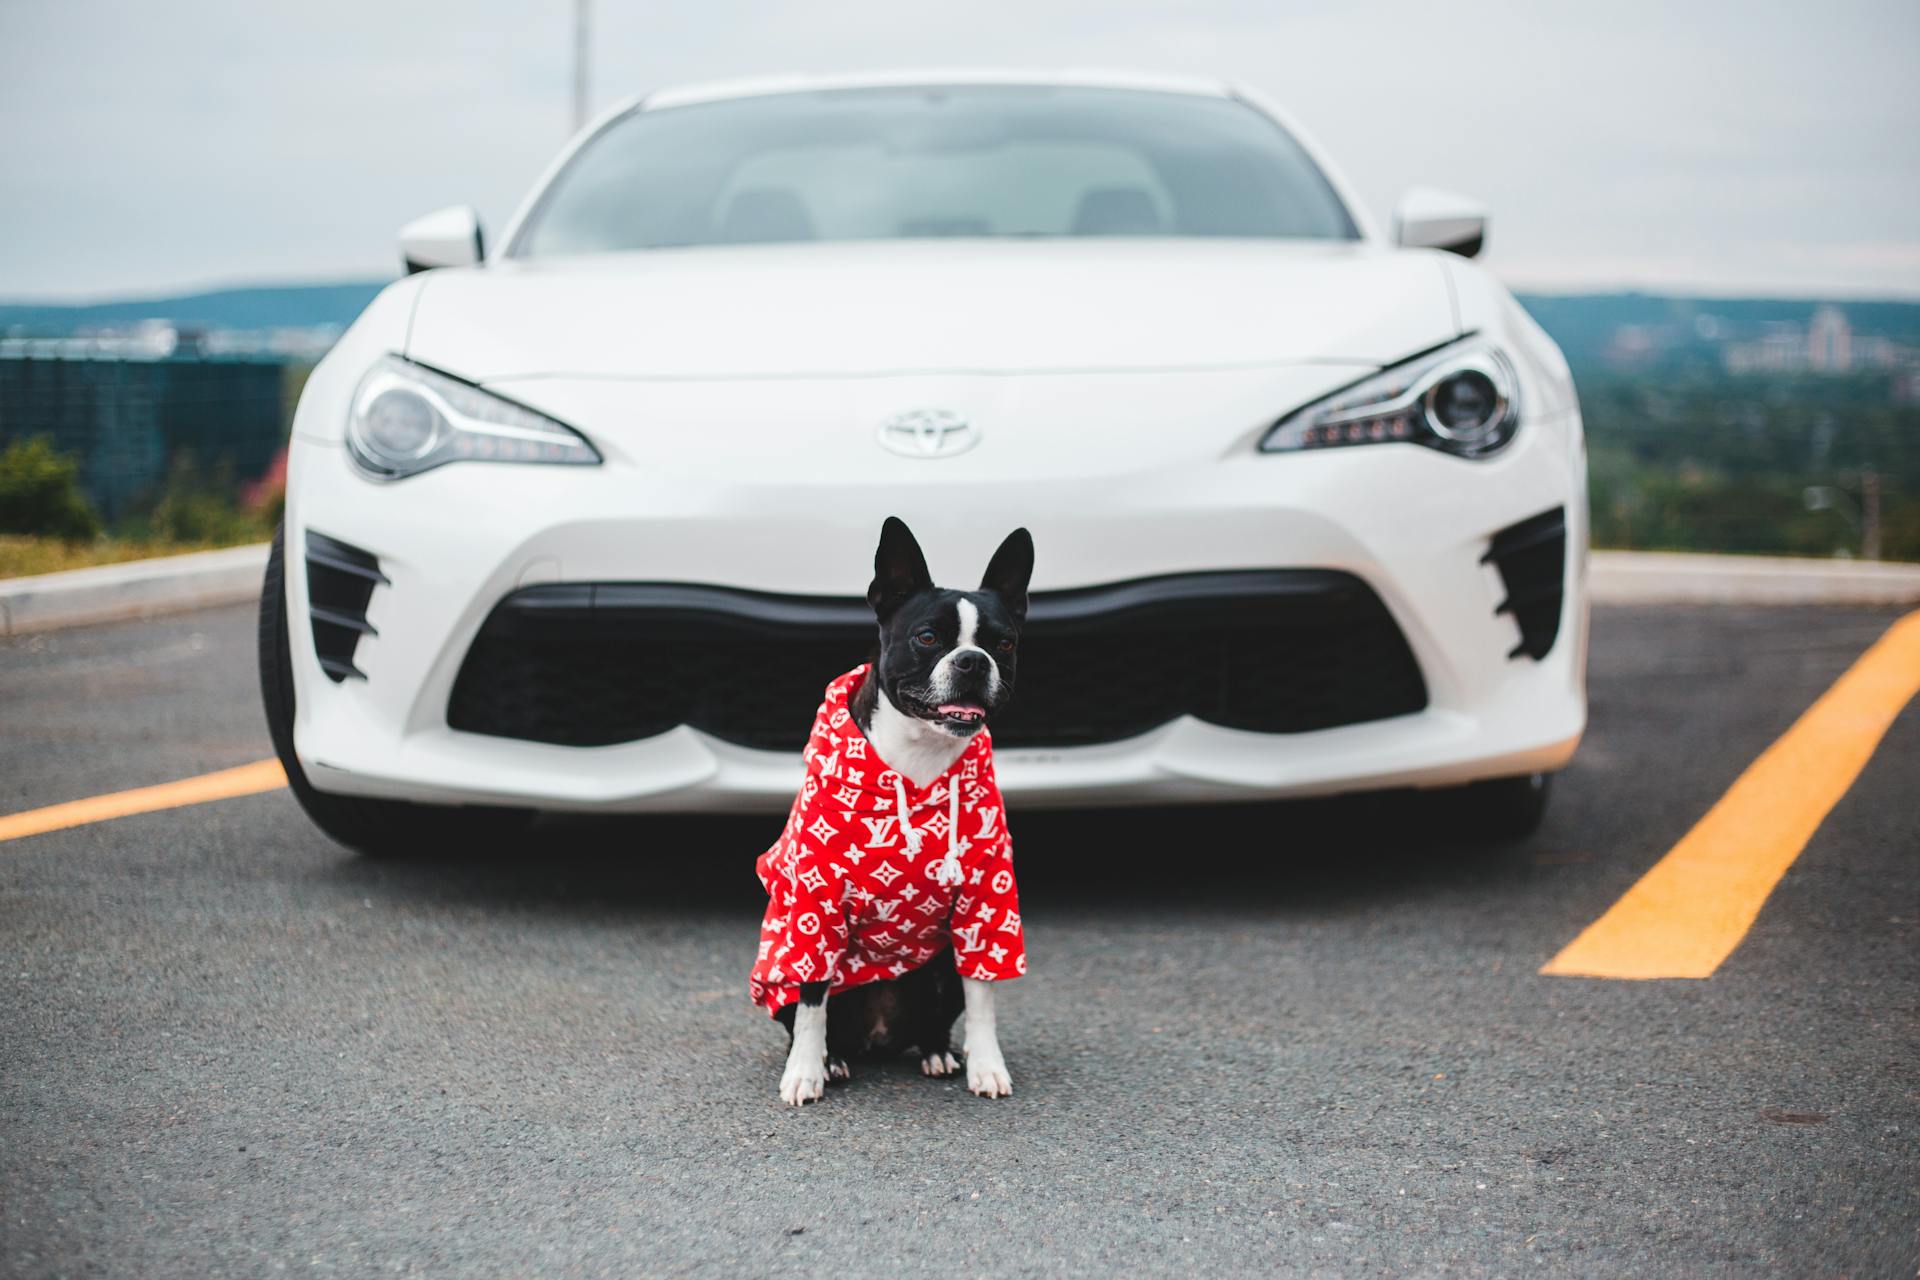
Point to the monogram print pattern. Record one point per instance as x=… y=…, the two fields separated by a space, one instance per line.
x=855 y=896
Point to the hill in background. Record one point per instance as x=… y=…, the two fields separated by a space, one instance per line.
x=253 y=309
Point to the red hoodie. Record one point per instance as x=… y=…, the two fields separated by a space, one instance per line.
x=855 y=894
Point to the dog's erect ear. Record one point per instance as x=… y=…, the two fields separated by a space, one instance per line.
x=899 y=569
x=1009 y=572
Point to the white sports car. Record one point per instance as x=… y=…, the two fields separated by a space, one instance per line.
x=584 y=522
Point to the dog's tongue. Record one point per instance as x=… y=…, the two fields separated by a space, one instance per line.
x=962 y=711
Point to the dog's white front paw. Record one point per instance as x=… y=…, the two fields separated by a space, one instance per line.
x=987 y=1074
x=939 y=1064
x=804 y=1081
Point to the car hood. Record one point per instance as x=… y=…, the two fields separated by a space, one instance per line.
x=845 y=310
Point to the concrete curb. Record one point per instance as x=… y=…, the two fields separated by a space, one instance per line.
x=143 y=588
x=1669 y=577
x=136 y=589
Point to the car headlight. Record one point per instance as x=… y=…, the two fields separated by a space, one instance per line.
x=408 y=418
x=1461 y=399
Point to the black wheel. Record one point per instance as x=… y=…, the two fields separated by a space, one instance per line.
x=378 y=828
x=1500 y=809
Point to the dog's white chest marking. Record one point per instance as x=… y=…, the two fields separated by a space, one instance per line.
x=917 y=750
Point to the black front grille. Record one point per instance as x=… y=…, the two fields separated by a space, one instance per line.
x=1532 y=559
x=1278 y=651
x=340 y=582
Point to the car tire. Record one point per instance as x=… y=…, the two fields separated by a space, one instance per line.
x=377 y=828
x=1499 y=810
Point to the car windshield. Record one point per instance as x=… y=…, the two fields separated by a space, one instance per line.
x=895 y=164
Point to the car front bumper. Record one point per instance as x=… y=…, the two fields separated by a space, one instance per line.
x=1413 y=525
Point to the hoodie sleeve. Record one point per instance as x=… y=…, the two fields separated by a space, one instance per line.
x=989 y=938
x=808 y=932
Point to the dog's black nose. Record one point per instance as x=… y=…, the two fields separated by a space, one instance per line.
x=969 y=662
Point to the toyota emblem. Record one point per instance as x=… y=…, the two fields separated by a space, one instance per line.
x=928 y=433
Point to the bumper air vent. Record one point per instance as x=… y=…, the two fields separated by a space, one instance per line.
x=1532 y=559
x=340 y=582
x=1273 y=651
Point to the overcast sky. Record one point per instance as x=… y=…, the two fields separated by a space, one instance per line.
x=1723 y=146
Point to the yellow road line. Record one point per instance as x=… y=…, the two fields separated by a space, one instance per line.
x=248 y=779
x=1686 y=915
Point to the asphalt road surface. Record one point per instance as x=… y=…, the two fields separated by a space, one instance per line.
x=1298 y=1039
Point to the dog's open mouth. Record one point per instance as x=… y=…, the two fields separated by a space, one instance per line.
x=961 y=715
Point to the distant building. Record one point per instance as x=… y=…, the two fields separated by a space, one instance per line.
x=1829 y=341
x=128 y=405
x=1780 y=348
x=1634 y=346
x=1826 y=345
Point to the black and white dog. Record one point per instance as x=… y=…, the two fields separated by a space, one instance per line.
x=945 y=665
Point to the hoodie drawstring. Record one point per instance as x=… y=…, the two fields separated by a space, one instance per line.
x=906 y=827
x=950 y=871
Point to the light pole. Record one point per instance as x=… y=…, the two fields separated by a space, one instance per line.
x=580 y=27
x=1870 y=515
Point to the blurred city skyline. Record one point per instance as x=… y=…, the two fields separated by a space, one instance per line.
x=1716 y=148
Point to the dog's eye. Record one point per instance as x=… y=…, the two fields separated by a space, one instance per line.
x=926 y=638
x=1005 y=646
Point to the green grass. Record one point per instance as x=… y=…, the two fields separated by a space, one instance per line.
x=22 y=555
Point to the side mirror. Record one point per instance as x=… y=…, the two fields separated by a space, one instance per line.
x=1428 y=218
x=447 y=238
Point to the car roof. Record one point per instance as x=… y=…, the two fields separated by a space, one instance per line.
x=764 y=86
